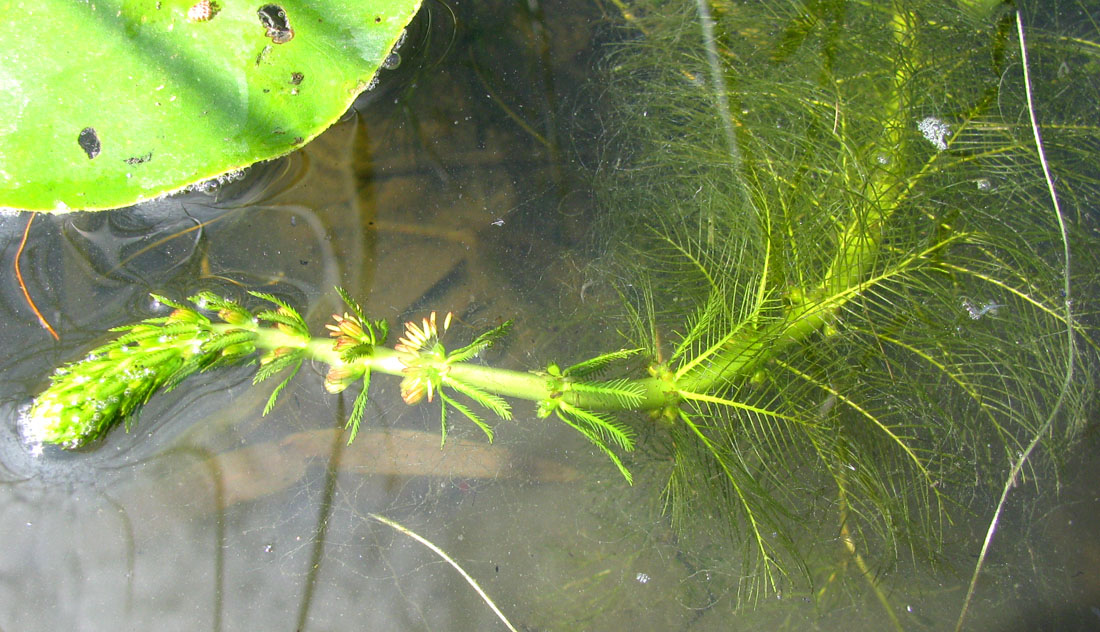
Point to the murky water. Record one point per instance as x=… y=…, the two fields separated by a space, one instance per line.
x=457 y=186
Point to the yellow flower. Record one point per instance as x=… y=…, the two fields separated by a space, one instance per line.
x=416 y=338
x=348 y=326
x=424 y=358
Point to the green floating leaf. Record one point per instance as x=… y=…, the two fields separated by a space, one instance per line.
x=112 y=102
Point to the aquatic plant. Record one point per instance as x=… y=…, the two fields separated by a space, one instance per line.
x=857 y=251
x=886 y=245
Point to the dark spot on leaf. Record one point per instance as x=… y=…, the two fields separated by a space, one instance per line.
x=89 y=142
x=137 y=160
x=298 y=140
x=377 y=19
x=262 y=54
x=296 y=78
x=276 y=24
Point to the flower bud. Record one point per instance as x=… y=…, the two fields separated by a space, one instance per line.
x=341 y=376
x=237 y=316
x=413 y=389
x=276 y=353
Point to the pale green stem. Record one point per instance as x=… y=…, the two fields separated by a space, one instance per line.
x=655 y=393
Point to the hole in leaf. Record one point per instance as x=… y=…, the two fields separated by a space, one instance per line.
x=276 y=25
x=89 y=142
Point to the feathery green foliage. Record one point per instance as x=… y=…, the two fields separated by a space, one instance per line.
x=601 y=429
x=481 y=343
x=849 y=200
x=87 y=398
x=598 y=364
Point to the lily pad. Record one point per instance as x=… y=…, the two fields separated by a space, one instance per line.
x=104 y=103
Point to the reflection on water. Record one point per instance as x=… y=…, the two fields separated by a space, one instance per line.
x=447 y=189
x=205 y=516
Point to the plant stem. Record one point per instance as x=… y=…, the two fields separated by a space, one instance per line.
x=857 y=247
x=655 y=393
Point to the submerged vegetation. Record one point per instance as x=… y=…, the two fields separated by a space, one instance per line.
x=890 y=293
x=858 y=262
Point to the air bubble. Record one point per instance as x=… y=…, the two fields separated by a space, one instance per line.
x=934 y=131
x=392 y=61
x=975 y=312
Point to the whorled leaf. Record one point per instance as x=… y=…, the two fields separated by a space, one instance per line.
x=87 y=398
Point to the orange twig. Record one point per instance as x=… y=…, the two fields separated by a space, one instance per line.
x=23 y=286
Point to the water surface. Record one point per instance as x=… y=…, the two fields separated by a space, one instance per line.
x=458 y=185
